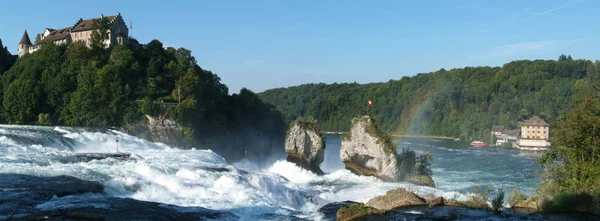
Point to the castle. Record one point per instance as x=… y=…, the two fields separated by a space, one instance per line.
x=81 y=31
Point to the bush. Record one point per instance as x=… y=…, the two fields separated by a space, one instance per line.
x=423 y=166
x=564 y=202
x=478 y=198
x=498 y=200
x=406 y=163
x=507 y=145
x=516 y=196
x=44 y=119
x=149 y=108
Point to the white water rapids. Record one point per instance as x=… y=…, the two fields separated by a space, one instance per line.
x=196 y=177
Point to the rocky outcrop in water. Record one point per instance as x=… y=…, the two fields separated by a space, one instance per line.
x=24 y=197
x=305 y=146
x=401 y=197
x=357 y=211
x=400 y=204
x=396 y=198
x=367 y=151
x=158 y=129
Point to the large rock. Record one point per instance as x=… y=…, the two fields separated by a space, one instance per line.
x=432 y=200
x=529 y=203
x=357 y=211
x=367 y=151
x=158 y=129
x=164 y=129
x=397 y=198
x=305 y=146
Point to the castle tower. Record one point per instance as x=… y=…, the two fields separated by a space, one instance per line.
x=24 y=44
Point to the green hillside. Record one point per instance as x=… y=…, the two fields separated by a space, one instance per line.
x=463 y=102
x=75 y=85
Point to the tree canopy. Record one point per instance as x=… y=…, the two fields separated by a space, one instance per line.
x=462 y=102
x=80 y=86
x=572 y=165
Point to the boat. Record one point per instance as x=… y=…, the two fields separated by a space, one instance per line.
x=477 y=144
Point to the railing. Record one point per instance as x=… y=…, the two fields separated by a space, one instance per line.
x=165 y=104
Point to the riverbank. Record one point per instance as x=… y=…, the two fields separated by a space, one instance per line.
x=399 y=136
x=395 y=136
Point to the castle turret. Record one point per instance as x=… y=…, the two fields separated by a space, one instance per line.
x=24 y=44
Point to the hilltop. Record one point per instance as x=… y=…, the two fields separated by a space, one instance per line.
x=462 y=102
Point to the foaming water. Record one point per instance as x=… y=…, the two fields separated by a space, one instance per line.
x=201 y=178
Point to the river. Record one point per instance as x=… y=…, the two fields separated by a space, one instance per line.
x=200 y=182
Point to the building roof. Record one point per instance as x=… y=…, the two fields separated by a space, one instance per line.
x=25 y=39
x=497 y=128
x=535 y=121
x=85 y=25
x=57 y=35
x=514 y=132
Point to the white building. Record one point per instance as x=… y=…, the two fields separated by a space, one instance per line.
x=81 y=31
x=534 y=134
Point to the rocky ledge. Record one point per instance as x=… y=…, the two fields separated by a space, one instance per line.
x=158 y=129
x=305 y=146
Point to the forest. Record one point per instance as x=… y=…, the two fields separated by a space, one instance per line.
x=460 y=103
x=77 y=85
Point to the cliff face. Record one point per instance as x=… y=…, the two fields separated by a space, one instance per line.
x=304 y=145
x=159 y=129
x=367 y=151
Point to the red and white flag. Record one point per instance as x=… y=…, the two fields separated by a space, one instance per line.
x=370 y=103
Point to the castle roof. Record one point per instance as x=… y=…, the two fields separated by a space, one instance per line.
x=57 y=35
x=535 y=121
x=25 y=39
x=86 y=25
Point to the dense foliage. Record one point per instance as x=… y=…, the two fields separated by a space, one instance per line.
x=572 y=166
x=6 y=59
x=462 y=102
x=80 y=86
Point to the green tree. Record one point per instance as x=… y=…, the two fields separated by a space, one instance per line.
x=6 y=59
x=38 y=39
x=75 y=85
x=573 y=162
x=101 y=34
x=20 y=102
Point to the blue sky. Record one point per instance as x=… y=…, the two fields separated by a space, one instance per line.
x=268 y=44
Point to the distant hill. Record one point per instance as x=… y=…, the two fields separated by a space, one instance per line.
x=463 y=102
